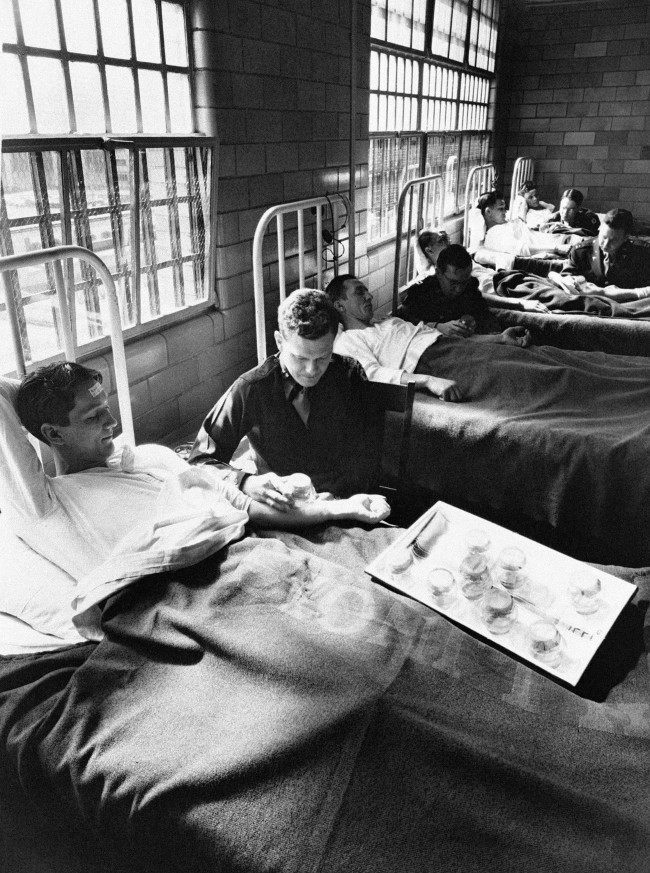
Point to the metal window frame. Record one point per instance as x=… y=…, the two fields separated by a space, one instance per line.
x=201 y=199
x=102 y=61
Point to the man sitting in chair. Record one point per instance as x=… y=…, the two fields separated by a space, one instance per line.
x=611 y=264
x=303 y=410
x=115 y=515
x=450 y=301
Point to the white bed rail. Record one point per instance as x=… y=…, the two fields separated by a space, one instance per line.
x=523 y=170
x=55 y=256
x=333 y=201
x=479 y=180
x=428 y=213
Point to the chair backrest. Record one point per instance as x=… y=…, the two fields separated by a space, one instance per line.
x=397 y=399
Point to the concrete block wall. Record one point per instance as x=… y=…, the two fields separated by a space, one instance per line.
x=575 y=96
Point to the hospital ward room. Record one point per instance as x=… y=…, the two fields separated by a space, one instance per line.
x=324 y=436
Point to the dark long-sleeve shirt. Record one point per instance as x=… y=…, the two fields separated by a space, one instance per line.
x=339 y=447
x=424 y=301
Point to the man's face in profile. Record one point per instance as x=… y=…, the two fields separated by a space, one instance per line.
x=305 y=359
x=454 y=280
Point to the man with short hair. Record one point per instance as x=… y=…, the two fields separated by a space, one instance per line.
x=303 y=410
x=495 y=241
x=391 y=350
x=450 y=301
x=613 y=264
x=572 y=216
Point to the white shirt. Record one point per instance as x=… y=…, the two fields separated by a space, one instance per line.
x=388 y=349
x=145 y=511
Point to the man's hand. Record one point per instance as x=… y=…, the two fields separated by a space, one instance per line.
x=268 y=488
x=459 y=329
x=516 y=336
x=533 y=306
x=368 y=508
x=445 y=389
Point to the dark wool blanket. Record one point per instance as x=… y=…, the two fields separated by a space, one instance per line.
x=274 y=710
x=561 y=437
x=617 y=328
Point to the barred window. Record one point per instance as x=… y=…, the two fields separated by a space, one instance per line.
x=399 y=21
x=435 y=100
x=100 y=151
x=96 y=66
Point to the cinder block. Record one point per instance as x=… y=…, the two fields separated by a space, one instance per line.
x=298 y=185
x=579 y=138
x=615 y=109
x=552 y=110
x=250 y=159
x=265 y=190
x=595 y=124
x=590 y=49
x=238 y=319
x=227 y=162
x=245 y=19
x=157 y=423
x=599 y=94
x=198 y=401
x=260 y=57
x=214 y=361
x=233 y=260
x=635 y=122
x=549 y=138
x=188 y=338
x=217 y=321
x=297 y=126
x=311 y=155
x=620 y=79
x=336 y=153
x=209 y=15
x=278 y=25
x=173 y=381
x=560 y=123
x=227 y=229
x=281 y=157
x=146 y=356
x=642 y=77
x=263 y=126
x=637 y=167
x=232 y=194
x=624 y=47
x=247 y=91
x=228 y=124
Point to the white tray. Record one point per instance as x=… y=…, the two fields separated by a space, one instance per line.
x=549 y=574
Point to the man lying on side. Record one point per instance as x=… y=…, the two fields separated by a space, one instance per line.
x=117 y=515
x=304 y=410
x=611 y=264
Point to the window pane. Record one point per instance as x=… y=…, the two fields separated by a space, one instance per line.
x=152 y=101
x=156 y=174
x=79 y=26
x=374 y=71
x=180 y=103
x=14 y=117
x=86 y=93
x=115 y=28
x=7 y=23
x=174 y=30
x=145 y=28
x=121 y=99
x=40 y=27
x=378 y=20
x=50 y=101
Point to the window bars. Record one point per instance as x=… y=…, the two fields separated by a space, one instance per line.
x=146 y=205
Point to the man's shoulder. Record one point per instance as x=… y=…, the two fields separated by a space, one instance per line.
x=344 y=367
x=267 y=371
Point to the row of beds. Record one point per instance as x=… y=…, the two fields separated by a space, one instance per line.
x=273 y=709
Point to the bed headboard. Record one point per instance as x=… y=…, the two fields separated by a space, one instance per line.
x=55 y=256
x=314 y=206
x=412 y=217
x=479 y=179
x=523 y=169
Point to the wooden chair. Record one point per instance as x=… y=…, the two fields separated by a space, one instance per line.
x=394 y=483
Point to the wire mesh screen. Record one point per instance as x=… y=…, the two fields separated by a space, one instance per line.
x=393 y=162
x=144 y=211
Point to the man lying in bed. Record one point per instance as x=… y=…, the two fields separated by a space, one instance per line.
x=393 y=350
x=303 y=410
x=114 y=516
x=450 y=301
x=572 y=216
x=611 y=264
x=496 y=242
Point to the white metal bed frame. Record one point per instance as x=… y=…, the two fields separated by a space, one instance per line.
x=479 y=180
x=278 y=212
x=523 y=170
x=55 y=256
x=429 y=213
